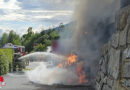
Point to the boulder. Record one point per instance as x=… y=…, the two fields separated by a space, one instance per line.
x=126 y=70
x=115 y=40
x=113 y=64
x=122 y=37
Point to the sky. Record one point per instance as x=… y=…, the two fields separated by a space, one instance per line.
x=18 y=15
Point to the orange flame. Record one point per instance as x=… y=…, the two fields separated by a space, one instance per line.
x=72 y=59
x=81 y=74
x=60 y=65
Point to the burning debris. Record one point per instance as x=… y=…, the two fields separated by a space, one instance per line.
x=69 y=61
x=72 y=60
x=81 y=74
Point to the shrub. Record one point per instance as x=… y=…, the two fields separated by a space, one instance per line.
x=40 y=47
x=6 y=61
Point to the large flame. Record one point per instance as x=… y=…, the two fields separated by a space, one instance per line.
x=81 y=74
x=73 y=59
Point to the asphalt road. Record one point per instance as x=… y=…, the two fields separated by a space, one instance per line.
x=18 y=81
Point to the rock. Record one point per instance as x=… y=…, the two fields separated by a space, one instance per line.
x=105 y=87
x=128 y=20
x=102 y=75
x=117 y=19
x=123 y=19
x=126 y=82
x=98 y=86
x=126 y=54
x=115 y=40
x=113 y=64
x=128 y=37
x=109 y=82
x=98 y=78
x=104 y=67
x=122 y=37
x=104 y=49
x=105 y=80
x=101 y=60
x=126 y=70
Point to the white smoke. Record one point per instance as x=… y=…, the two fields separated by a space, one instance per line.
x=51 y=75
x=44 y=69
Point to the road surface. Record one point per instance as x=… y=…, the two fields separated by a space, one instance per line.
x=18 y=81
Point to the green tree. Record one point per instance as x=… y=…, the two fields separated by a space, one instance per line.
x=30 y=42
x=28 y=35
x=44 y=39
x=54 y=35
x=40 y=47
x=14 y=38
x=4 y=39
x=61 y=26
x=48 y=42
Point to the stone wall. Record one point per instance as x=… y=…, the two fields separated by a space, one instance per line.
x=114 y=69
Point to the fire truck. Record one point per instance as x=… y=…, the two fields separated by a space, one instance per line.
x=17 y=49
x=18 y=52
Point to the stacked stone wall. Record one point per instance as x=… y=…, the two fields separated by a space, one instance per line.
x=114 y=69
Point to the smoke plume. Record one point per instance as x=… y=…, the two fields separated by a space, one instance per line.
x=95 y=21
x=94 y=27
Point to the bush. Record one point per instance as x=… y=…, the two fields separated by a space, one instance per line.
x=40 y=47
x=6 y=61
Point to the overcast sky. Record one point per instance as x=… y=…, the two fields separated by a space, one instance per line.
x=21 y=14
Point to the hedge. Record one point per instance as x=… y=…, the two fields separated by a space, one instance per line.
x=6 y=60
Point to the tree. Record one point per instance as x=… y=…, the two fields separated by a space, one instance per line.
x=61 y=26
x=40 y=47
x=54 y=35
x=4 y=39
x=44 y=39
x=14 y=38
x=30 y=30
x=29 y=43
x=48 y=42
x=28 y=35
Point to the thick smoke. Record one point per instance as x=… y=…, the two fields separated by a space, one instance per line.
x=95 y=25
